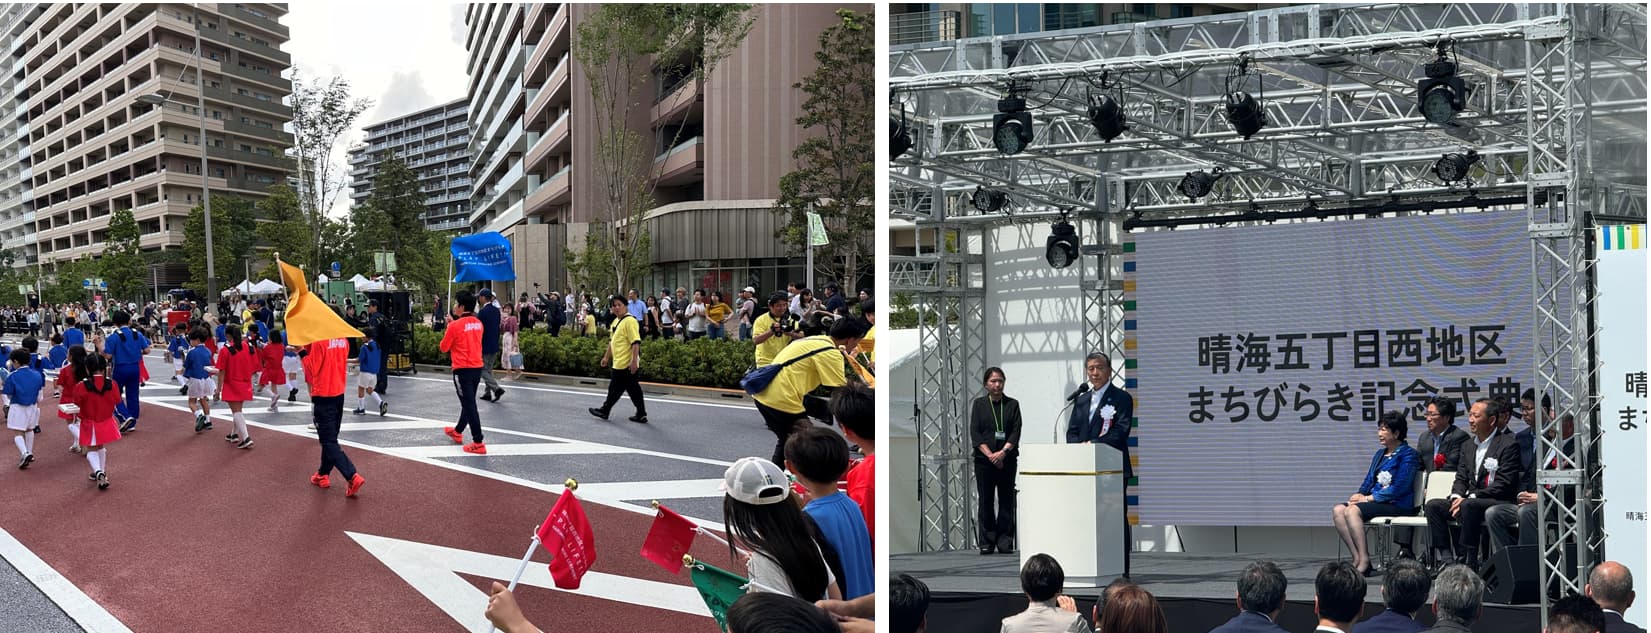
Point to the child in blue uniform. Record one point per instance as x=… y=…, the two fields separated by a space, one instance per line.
x=370 y=361
x=22 y=393
x=197 y=371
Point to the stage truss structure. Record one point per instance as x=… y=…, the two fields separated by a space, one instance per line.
x=1556 y=112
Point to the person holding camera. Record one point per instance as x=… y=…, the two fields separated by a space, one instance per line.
x=775 y=329
x=807 y=365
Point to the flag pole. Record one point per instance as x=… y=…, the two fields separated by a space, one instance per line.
x=532 y=547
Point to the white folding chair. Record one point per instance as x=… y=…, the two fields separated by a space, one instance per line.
x=1435 y=486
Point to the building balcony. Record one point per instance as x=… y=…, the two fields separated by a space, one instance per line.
x=272 y=106
x=684 y=102
x=555 y=90
x=682 y=165
x=271 y=53
x=256 y=20
x=557 y=141
x=925 y=26
x=268 y=79
x=259 y=131
x=224 y=153
x=557 y=190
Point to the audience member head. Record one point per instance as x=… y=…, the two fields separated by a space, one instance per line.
x=848 y=331
x=854 y=407
x=1041 y=578
x=1575 y=614
x=908 y=604
x=1132 y=609
x=761 y=517
x=1457 y=595
x=1261 y=588
x=1338 y=592
x=120 y=318
x=765 y=612
x=1111 y=590
x=1396 y=425
x=1611 y=585
x=817 y=455
x=1405 y=586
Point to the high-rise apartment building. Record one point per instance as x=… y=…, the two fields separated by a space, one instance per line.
x=434 y=143
x=16 y=215
x=98 y=145
x=717 y=147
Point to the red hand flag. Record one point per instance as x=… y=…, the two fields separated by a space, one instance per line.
x=668 y=539
x=567 y=535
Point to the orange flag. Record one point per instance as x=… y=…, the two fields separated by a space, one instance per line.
x=308 y=318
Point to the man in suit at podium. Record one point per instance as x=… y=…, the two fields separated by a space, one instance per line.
x=1103 y=415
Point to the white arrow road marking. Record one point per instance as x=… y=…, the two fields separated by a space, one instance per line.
x=434 y=571
x=514 y=450
x=668 y=489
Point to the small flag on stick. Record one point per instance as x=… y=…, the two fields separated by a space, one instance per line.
x=719 y=589
x=669 y=538
x=566 y=533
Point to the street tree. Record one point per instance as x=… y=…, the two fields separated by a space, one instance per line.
x=322 y=113
x=122 y=264
x=392 y=219
x=620 y=47
x=834 y=175
x=283 y=228
x=233 y=239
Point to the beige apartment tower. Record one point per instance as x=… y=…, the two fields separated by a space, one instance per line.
x=96 y=147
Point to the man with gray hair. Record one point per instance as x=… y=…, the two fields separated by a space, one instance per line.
x=1260 y=597
x=1612 y=586
x=1458 y=595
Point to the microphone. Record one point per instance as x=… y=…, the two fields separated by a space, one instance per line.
x=1081 y=391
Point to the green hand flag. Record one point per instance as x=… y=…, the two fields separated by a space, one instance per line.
x=718 y=588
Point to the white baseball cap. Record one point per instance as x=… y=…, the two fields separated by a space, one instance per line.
x=756 y=481
x=751 y=290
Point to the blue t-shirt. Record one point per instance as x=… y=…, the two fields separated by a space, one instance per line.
x=23 y=386
x=219 y=334
x=371 y=358
x=126 y=346
x=58 y=355
x=178 y=346
x=844 y=527
x=196 y=362
x=74 y=336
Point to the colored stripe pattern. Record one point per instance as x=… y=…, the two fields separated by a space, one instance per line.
x=1622 y=237
x=1131 y=379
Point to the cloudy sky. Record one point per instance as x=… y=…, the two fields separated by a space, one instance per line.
x=404 y=55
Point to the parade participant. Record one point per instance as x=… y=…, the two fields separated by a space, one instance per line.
x=294 y=367
x=369 y=362
x=96 y=398
x=325 y=365
x=197 y=372
x=235 y=368
x=271 y=373
x=57 y=355
x=125 y=349
x=176 y=346
x=69 y=377
x=22 y=395
x=625 y=348
x=463 y=343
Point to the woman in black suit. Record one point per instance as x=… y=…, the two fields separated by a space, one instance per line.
x=1388 y=488
x=994 y=432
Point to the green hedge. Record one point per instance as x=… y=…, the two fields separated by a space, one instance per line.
x=700 y=363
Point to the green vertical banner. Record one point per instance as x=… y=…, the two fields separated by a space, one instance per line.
x=816 y=230
x=718 y=588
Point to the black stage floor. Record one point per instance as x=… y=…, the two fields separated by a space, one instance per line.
x=1196 y=591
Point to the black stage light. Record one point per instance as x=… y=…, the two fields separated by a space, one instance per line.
x=1442 y=94
x=1197 y=184
x=1453 y=168
x=989 y=200
x=1245 y=114
x=1011 y=126
x=1063 y=245
x=899 y=135
x=1107 y=115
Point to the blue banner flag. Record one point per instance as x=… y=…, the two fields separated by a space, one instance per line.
x=482 y=257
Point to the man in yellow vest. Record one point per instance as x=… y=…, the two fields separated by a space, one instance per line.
x=806 y=365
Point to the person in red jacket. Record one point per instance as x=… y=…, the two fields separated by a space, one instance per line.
x=325 y=364
x=463 y=342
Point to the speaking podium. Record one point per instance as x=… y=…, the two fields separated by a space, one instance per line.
x=1071 y=506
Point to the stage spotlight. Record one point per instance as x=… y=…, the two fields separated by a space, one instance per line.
x=1012 y=125
x=989 y=200
x=1245 y=114
x=1197 y=184
x=1453 y=168
x=1442 y=94
x=1107 y=115
x=899 y=140
x=1063 y=245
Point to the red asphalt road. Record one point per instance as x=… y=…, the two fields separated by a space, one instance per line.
x=194 y=535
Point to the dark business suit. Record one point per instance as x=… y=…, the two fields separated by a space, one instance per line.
x=1481 y=489
x=1249 y=622
x=993 y=482
x=1450 y=446
x=1615 y=624
x=1085 y=425
x=1389 y=621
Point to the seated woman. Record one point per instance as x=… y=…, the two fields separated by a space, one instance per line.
x=1388 y=488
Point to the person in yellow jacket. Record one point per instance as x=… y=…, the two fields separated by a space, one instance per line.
x=819 y=361
x=775 y=329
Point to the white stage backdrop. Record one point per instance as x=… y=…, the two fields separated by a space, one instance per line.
x=1622 y=324
x=1265 y=354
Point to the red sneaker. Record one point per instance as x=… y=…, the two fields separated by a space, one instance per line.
x=476 y=449
x=321 y=481
x=456 y=437
x=355 y=485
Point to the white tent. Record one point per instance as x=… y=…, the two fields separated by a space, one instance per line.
x=243 y=288
x=267 y=287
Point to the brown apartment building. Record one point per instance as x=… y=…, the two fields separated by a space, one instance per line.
x=733 y=133
x=96 y=147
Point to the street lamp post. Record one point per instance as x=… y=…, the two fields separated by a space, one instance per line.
x=158 y=99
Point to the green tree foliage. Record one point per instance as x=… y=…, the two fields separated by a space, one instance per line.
x=65 y=285
x=322 y=113
x=834 y=176
x=620 y=47
x=392 y=220
x=233 y=236
x=122 y=265
x=283 y=228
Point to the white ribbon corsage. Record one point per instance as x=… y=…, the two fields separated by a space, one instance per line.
x=1490 y=464
x=1107 y=412
x=1385 y=478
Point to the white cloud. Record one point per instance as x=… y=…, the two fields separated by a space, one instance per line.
x=404 y=55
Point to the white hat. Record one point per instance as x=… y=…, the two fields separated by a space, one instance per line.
x=751 y=290
x=756 y=481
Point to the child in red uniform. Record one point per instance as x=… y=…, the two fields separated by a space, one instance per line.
x=96 y=396
x=272 y=374
x=68 y=382
x=236 y=363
